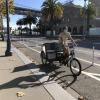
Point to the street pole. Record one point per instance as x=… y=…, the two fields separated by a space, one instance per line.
x=88 y=18
x=8 y=49
x=85 y=25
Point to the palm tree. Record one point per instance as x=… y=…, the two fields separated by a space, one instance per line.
x=29 y=19
x=19 y=28
x=20 y=22
x=51 y=10
x=41 y=28
x=39 y=25
x=2 y=7
x=88 y=12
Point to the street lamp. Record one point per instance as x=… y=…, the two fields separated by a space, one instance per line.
x=8 y=49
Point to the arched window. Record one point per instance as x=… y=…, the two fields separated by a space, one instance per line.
x=69 y=29
x=75 y=30
x=81 y=30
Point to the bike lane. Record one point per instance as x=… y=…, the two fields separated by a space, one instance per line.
x=87 y=83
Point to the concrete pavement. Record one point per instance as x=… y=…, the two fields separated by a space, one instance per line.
x=18 y=74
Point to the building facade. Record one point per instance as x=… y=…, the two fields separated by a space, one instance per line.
x=76 y=23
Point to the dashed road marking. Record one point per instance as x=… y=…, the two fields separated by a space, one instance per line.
x=88 y=62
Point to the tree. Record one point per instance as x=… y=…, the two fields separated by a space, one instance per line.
x=20 y=22
x=91 y=13
x=39 y=25
x=19 y=28
x=88 y=13
x=26 y=29
x=29 y=19
x=3 y=7
x=51 y=10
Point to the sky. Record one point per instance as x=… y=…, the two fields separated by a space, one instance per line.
x=34 y=4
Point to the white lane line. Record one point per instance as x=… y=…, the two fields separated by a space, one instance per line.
x=92 y=75
x=88 y=52
x=95 y=74
x=88 y=61
x=29 y=47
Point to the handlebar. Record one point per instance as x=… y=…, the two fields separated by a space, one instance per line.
x=72 y=45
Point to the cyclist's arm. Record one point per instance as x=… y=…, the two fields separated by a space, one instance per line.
x=60 y=38
x=70 y=37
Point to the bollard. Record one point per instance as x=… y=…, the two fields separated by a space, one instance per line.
x=93 y=55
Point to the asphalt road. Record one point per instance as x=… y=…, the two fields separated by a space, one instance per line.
x=87 y=84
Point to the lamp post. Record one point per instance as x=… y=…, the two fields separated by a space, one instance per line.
x=8 y=49
x=88 y=17
x=85 y=25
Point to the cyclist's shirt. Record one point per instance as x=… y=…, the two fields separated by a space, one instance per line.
x=63 y=37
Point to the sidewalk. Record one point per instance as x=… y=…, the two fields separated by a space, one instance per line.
x=18 y=75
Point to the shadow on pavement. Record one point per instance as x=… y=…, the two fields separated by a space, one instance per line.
x=57 y=75
x=48 y=68
x=68 y=83
x=25 y=67
x=33 y=80
x=3 y=56
x=22 y=82
x=87 y=67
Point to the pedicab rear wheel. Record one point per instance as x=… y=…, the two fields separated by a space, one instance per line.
x=43 y=58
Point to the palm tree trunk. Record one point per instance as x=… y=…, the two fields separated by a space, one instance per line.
x=51 y=23
x=21 y=30
x=30 y=29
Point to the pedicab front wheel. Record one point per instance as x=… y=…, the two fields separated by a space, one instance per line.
x=75 y=67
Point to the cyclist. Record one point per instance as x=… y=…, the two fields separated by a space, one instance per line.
x=63 y=40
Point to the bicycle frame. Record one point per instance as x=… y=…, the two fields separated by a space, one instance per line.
x=70 y=57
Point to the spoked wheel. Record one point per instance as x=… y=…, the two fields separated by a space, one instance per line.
x=43 y=57
x=75 y=67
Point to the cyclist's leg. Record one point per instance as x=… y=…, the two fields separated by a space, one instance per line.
x=66 y=52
